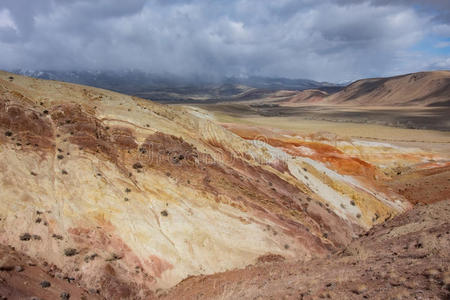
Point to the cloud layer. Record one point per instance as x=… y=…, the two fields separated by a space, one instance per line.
x=322 y=40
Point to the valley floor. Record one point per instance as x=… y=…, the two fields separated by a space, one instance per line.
x=384 y=124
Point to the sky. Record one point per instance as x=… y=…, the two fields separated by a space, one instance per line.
x=325 y=40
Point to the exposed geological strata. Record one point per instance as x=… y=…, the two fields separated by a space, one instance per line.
x=129 y=196
x=404 y=258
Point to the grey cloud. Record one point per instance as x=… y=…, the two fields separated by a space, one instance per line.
x=322 y=40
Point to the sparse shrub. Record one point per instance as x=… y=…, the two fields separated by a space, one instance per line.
x=70 y=251
x=127 y=190
x=88 y=258
x=164 y=213
x=8 y=133
x=352 y=203
x=64 y=172
x=137 y=165
x=45 y=284
x=114 y=257
x=25 y=237
x=60 y=156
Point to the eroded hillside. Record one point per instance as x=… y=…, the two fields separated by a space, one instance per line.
x=404 y=258
x=126 y=196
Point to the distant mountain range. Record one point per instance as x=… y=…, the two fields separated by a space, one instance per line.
x=172 y=88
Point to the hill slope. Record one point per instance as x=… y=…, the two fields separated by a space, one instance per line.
x=424 y=88
x=405 y=258
x=416 y=89
x=125 y=196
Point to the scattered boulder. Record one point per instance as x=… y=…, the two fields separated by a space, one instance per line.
x=6 y=264
x=446 y=279
x=19 y=268
x=360 y=289
x=431 y=273
x=45 y=284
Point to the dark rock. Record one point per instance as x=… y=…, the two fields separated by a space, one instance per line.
x=137 y=165
x=45 y=284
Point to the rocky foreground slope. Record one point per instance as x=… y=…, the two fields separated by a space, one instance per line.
x=405 y=258
x=123 y=197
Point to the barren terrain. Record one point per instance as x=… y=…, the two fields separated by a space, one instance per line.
x=416 y=89
x=124 y=198
x=405 y=258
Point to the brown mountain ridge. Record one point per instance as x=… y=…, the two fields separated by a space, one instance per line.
x=415 y=89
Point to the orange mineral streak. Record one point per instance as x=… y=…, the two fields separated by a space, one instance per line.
x=331 y=156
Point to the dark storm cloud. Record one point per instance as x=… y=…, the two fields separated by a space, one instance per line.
x=324 y=40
